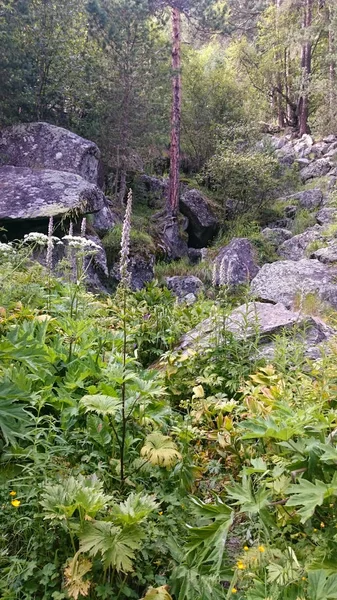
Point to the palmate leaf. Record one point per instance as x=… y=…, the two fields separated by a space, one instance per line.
x=101 y=404
x=117 y=546
x=60 y=501
x=322 y=587
x=134 y=509
x=249 y=501
x=160 y=450
x=208 y=541
x=309 y=495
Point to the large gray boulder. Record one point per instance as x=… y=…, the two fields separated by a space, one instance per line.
x=296 y=247
x=318 y=168
x=308 y=199
x=327 y=255
x=261 y=321
x=27 y=193
x=236 y=263
x=287 y=280
x=276 y=235
x=203 y=225
x=326 y=216
x=45 y=146
x=184 y=286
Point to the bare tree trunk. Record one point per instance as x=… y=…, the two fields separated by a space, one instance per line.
x=306 y=71
x=332 y=66
x=173 y=196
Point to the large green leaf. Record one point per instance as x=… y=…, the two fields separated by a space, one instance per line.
x=134 y=509
x=101 y=404
x=322 y=587
x=309 y=495
x=250 y=501
x=160 y=450
x=117 y=546
x=208 y=541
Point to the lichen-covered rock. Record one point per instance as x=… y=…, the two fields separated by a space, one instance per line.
x=296 y=247
x=326 y=216
x=276 y=235
x=308 y=199
x=283 y=281
x=203 y=225
x=45 y=146
x=35 y=194
x=327 y=255
x=105 y=219
x=184 y=286
x=258 y=320
x=235 y=264
x=141 y=269
x=155 y=190
x=318 y=168
x=290 y=211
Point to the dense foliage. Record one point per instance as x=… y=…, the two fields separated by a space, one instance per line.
x=210 y=472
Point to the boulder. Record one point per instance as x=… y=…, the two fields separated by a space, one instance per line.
x=257 y=320
x=45 y=146
x=283 y=281
x=295 y=248
x=326 y=216
x=97 y=272
x=27 y=193
x=171 y=240
x=203 y=225
x=155 y=190
x=196 y=255
x=184 y=287
x=330 y=139
x=308 y=199
x=141 y=269
x=326 y=255
x=286 y=155
x=318 y=168
x=105 y=219
x=235 y=264
x=276 y=235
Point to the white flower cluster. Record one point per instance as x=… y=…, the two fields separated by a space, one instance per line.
x=75 y=241
x=39 y=238
x=125 y=245
x=6 y=249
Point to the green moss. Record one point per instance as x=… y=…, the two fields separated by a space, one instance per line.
x=140 y=243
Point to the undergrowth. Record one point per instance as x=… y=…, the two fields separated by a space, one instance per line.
x=135 y=468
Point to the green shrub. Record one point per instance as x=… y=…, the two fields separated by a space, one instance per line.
x=248 y=179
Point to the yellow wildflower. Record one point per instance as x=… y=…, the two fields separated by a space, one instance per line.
x=240 y=565
x=304 y=578
x=12 y=493
x=160 y=513
x=315 y=529
x=15 y=503
x=246 y=548
x=322 y=525
x=261 y=549
x=234 y=590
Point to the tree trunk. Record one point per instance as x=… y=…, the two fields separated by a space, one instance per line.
x=332 y=66
x=173 y=196
x=303 y=111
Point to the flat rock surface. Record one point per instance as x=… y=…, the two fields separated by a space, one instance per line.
x=31 y=193
x=256 y=319
x=296 y=247
x=284 y=280
x=45 y=146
